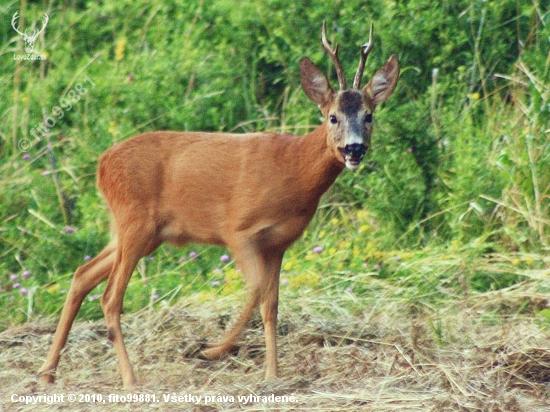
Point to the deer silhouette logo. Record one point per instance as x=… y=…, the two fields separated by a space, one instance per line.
x=29 y=39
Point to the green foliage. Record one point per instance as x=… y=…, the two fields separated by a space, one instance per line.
x=457 y=167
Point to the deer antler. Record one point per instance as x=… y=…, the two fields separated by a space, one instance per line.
x=13 y=20
x=333 y=53
x=365 y=50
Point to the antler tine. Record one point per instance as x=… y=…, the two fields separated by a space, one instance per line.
x=365 y=50
x=333 y=53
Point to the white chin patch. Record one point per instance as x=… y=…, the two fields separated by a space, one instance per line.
x=352 y=164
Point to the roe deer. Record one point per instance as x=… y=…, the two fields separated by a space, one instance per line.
x=254 y=193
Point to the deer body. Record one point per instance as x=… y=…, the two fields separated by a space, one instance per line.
x=266 y=186
x=254 y=193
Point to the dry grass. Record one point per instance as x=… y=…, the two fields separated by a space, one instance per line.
x=472 y=355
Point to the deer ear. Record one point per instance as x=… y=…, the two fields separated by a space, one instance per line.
x=314 y=83
x=383 y=83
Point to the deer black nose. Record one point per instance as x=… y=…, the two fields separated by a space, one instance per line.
x=355 y=150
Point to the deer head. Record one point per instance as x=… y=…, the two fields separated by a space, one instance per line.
x=348 y=112
x=29 y=40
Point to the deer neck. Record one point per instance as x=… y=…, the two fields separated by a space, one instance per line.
x=319 y=166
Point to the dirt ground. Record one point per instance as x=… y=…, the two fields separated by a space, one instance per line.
x=472 y=356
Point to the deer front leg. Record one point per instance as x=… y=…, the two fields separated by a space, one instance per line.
x=261 y=270
x=221 y=349
x=253 y=267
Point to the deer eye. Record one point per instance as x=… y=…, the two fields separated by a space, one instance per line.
x=333 y=119
x=368 y=118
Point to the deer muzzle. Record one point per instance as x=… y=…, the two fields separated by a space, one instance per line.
x=353 y=154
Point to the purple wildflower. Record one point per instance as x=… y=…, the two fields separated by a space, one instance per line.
x=16 y=285
x=24 y=291
x=26 y=274
x=216 y=283
x=193 y=255
x=87 y=257
x=69 y=229
x=318 y=249
x=13 y=276
x=225 y=259
x=26 y=156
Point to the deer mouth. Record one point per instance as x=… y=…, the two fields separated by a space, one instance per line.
x=352 y=162
x=353 y=154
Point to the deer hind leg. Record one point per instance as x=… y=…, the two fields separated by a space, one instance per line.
x=133 y=244
x=269 y=303
x=86 y=278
